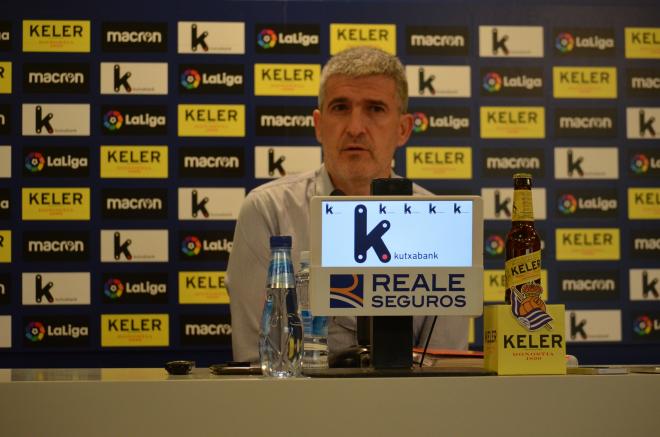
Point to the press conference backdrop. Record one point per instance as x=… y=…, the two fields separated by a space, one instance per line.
x=131 y=133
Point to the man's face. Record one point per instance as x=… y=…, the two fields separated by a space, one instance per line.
x=360 y=126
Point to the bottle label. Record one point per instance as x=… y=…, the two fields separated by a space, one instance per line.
x=523 y=210
x=523 y=269
x=523 y=280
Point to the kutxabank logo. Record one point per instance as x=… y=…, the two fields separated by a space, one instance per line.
x=346 y=291
x=364 y=241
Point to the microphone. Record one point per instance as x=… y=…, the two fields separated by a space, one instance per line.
x=337 y=192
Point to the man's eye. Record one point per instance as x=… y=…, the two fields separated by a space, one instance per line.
x=377 y=108
x=339 y=107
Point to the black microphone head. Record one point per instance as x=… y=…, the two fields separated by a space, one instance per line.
x=391 y=187
x=337 y=192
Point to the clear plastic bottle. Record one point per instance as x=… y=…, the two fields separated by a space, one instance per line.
x=315 y=355
x=281 y=334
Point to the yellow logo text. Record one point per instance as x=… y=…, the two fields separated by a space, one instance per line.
x=71 y=36
x=202 y=287
x=134 y=162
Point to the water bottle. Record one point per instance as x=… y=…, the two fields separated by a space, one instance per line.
x=315 y=350
x=281 y=334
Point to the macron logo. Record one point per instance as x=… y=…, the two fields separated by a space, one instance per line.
x=364 y=241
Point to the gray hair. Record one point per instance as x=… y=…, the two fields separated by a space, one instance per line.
x=366 y=61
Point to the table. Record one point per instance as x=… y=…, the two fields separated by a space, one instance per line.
x=145 y=402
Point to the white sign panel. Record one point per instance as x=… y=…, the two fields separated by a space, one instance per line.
x=397 y=255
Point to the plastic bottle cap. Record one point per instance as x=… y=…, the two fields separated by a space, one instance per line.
x=280 y=241
x=304 y=257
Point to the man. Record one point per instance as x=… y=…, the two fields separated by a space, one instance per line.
x=361 y=120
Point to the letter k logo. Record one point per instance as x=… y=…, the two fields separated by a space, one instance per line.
x=122 y=248
x=41 y=291
x=121 y=80
x=42 y=122
x=364 y=241
x=198 y=40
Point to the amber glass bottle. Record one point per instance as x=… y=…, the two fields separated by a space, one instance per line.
x=523 y=246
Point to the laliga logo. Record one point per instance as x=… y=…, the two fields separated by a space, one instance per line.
x=364 y=241
x=567 y=204
x=346 y=291
x=420 y=122
x=494 y=245
x=565 y=42
x=113 y=288
x=492 y=82
x=35 y=162
x=113 y=120
x=190 y=79
x=267 y=38
x=191 y=246
x=642 y=325
x=35 y=331
x=639 y=163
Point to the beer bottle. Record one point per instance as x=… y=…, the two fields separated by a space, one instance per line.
x=523 y=248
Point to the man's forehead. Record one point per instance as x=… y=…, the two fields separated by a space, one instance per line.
x=370 y=88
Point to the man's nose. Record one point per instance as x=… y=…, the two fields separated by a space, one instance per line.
x=357 y=122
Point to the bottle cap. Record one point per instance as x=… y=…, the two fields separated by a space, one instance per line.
x=522 y=175
x=280 y=241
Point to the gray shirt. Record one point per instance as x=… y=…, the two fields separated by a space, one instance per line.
x=281 y=207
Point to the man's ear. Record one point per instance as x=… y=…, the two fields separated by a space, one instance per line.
x=405 y=128
x=317 y=125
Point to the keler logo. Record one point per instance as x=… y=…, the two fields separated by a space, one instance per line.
x=346 y=291
x=42 y=122
x=122 y=248
x=364 y=241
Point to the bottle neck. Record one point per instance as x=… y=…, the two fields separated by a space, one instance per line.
x=280 y=270
x=523 y=210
